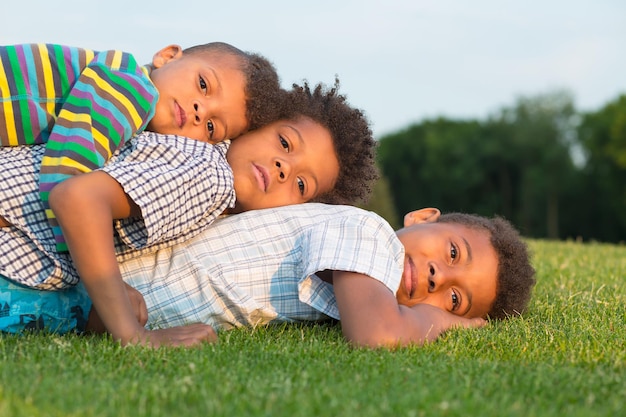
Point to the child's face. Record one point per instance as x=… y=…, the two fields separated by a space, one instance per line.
x=201 y=95
x=286 y=162
x=450 y=266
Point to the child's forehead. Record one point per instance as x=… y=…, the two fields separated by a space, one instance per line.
x=461 y=233
x=218 y=56
x=462 y=228
x=476 y=240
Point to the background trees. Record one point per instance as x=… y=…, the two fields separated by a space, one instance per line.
x=602 y=135
x=553 y=171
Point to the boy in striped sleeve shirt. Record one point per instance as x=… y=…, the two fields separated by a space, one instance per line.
x=86 y=104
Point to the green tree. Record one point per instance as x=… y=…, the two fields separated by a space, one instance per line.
x=603 y=136
x=434 y=163
x=517 y=163
x=535 y=139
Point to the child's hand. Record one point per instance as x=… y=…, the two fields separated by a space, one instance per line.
x=138 y=303
x=95 y=325
x=187 y=336
x=442 y=320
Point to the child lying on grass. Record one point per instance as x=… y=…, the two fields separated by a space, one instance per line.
x=388 y=289
x=321 y=149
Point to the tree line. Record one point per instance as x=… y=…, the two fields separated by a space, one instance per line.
x=553 y=171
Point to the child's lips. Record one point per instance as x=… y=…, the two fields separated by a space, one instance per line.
x=179 y=115
x=262 y=176
x=410 y=277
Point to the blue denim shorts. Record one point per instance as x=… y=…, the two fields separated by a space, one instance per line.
x=28 y=309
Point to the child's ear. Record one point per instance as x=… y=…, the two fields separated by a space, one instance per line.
x=167 y=54
x=425 y=215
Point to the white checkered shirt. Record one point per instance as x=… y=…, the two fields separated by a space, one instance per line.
x=181 y=186
x=257 y=267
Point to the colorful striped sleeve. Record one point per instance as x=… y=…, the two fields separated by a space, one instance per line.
x=30 y=91
x=112 y=99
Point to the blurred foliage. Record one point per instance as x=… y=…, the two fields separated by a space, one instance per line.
x=381 y=202
x=603 y=137
x=553 y=171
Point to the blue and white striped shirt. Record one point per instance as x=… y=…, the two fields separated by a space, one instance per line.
x=258 y=267
x=181 y=186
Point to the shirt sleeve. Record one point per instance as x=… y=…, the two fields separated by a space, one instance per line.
x=364 y=244
x=181 y=186
x=112 y=100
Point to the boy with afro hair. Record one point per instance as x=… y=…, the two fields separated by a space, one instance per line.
x=320 y=149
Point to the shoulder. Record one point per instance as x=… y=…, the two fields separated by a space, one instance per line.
x=47 y=55
x=330 y=212
x=349 y=219
x=147 y=141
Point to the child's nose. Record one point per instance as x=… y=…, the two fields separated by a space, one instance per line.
x=198 y=113
x=203 y=110
x=283 y=170
x=436 y=277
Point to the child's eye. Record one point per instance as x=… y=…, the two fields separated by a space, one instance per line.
x=203 y=85
x=284 y=143
x=455 y=301
x=211 y=128
x=454 y=252
x=301 y=186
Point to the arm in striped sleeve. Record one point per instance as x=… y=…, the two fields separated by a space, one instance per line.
x=112 y=100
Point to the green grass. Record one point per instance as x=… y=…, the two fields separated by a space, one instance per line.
x=566 y=357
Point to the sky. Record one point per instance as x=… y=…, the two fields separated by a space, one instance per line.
x=400 y=61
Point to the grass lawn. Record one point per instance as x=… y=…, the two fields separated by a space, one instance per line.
x=565 y=357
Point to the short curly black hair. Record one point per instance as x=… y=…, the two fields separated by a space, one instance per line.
x=353 y=142
x=264 y=95
x=516 y=276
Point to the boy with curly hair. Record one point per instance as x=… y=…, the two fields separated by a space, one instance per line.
x=320 y=149
x=312 y=262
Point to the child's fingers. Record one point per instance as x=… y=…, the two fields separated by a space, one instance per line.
x=196 y=334
x=138 y=303
x=142 y=313
x=188 y=336
x=474 y=323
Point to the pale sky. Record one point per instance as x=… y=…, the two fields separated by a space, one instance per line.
x=399 y=60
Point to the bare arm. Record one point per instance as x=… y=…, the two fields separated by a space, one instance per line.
x=372 y=317
x=95 y=325
x=85 y=206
